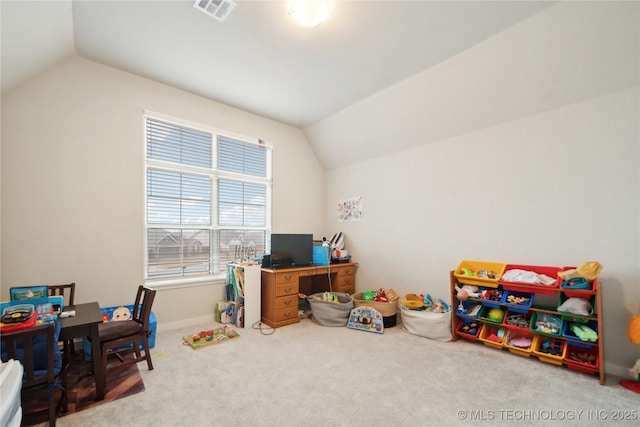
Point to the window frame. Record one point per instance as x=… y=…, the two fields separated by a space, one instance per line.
x=214 y=174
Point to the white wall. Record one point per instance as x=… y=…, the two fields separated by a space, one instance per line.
x=556 y=189
x=72 y=182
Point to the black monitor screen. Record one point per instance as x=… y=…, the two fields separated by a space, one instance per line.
x=291 y=250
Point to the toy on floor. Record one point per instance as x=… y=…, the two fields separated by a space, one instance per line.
x=366 y=319
x=210 y=337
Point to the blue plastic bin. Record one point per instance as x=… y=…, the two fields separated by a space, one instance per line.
x=568 y=333
x=108 y=315
x=518 y=308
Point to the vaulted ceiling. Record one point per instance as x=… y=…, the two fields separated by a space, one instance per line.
x=258 y=59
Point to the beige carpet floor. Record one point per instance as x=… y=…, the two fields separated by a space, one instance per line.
x=309 y=375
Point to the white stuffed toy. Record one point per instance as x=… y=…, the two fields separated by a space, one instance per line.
x=635 y=371
x=466 y=291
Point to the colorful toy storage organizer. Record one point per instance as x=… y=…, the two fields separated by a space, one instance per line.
x=113 y=314
x=528 y=318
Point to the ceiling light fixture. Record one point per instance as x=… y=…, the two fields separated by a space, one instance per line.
x=309 y=13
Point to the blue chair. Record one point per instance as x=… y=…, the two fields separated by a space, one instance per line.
x=38 y=351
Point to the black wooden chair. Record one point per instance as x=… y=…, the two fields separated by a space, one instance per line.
x=136 y=331
x=37 y=349
x=68 y=292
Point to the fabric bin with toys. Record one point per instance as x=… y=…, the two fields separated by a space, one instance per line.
x=330 y=308
x=114 y=314
x=423 y=317
x=383 y=301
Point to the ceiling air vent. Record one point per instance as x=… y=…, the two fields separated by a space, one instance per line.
x=219 y=9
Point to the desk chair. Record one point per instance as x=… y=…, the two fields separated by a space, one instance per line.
x=68 y=292
x=116 y=334
x=36 y=348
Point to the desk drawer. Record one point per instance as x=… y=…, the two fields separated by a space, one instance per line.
x=345 y=281
x=345 y=284
x=304 y=273
x=286 y=314
x=346 y=271
x=290 y=301
x=288 y=277
x=283 y=289
x=351 y=289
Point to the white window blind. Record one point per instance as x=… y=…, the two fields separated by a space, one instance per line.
x=207 y=200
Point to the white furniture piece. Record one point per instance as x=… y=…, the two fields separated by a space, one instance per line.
x=10 y=387
x=248 y=278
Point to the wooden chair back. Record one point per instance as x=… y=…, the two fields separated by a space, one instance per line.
x=67 y=291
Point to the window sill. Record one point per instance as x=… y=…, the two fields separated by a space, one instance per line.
x=167 y=284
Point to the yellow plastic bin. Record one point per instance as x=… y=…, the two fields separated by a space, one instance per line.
x=479 y=273
x=518 y=342
x=493 y=336
x=557 y=346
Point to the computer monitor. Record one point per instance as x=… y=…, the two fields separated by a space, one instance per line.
x=291 y=250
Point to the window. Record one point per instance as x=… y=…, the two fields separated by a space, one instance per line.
x=207 y=198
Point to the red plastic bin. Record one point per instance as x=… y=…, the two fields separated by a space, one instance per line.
x=510 y=322
x=527 y=287
x=582 y=365
x=579 y=293
x=460 y=331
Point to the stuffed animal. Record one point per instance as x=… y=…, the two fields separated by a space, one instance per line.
x=635 y=371
x=121 y=313
x=466 y=291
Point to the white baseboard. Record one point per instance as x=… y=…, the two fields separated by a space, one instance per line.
x=616 y=370
x=187 y=322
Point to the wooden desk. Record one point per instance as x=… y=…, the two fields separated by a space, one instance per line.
x=85 y=324
x=280 y=288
